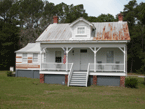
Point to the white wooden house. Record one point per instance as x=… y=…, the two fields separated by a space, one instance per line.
x=80 y=53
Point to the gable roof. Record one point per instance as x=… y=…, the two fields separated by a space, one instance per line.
x=81 y=19
x=30 y=48
x=103 y=31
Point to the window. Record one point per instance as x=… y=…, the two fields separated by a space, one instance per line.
x=35 y=57
x=83 y=50
x=110 y=57
x=24 y=58
x=81 y=30
x=58 y=56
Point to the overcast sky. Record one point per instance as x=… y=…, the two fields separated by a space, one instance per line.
x=97 y=7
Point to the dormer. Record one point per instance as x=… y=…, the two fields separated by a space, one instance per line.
x=81 y=29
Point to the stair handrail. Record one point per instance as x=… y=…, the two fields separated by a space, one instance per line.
x=88 y=70
x=70 y=74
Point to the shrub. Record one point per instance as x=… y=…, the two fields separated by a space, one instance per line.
x=131 y=82
x=9 y=73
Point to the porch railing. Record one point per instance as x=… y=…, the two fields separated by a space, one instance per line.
x=70 y=74
x=115 y=67
x=55 y=66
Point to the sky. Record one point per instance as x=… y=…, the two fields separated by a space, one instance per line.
x=98 y=7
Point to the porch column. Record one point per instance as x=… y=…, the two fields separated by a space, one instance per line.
x=95 y=59
x=124 y=57
x=66 y=50
x=66 y=59
x=40 y=60
x=95 y=51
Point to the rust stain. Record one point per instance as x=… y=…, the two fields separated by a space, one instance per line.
x=29 y=61
x=18 y=62
x=121 y=37
x=25 y=66
x=115 y=36
x=107 y=37
x=103 y=33
x=18 y=56
x=111 y=29
x=29 y=57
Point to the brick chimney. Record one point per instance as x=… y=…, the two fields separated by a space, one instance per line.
x=55 y=19
x=120 y=17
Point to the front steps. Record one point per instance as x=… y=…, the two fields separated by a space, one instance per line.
x=78 y=79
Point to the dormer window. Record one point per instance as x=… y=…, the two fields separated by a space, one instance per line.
x=81 y=30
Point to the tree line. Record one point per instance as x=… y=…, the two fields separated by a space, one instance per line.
x=22 y=21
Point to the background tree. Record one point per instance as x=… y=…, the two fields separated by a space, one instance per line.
x=8 y=33
x=30 y=13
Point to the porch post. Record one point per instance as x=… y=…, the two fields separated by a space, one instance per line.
x=66 y=58
x=95 y=51
x=124 y=57
x=40 y=60
x=124 y=52
x=95 y=59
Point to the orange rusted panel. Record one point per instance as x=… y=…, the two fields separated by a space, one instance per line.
x=29 y=57
x=25 y=66
x=18 y=62
x=113 y=32
x=29 y=61
x=18 y=56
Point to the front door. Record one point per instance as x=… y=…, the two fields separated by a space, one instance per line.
x=83 y=59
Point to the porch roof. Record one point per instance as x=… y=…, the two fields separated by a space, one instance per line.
x=105 y=31
x=30 y=48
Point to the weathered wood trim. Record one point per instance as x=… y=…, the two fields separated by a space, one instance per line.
x=29 y=61
x=18 y=56
x=25 y=66
x=18 y=62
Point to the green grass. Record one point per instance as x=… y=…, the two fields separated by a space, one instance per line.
x=26 y=93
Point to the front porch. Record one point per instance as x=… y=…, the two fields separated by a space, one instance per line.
x=80 y=61
x=98 y=60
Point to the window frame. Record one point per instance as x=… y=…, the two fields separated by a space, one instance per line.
x=110 y=58
x=24 y=58
x=81 y=33
x=35 y=58
x=58 y=57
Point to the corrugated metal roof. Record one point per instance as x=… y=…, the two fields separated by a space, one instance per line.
x=104 y=31
x=29 y=48
x=56 y=32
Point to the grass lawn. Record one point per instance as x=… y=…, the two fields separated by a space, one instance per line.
x=26 y=93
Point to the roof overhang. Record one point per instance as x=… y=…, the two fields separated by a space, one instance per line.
x=85 y=41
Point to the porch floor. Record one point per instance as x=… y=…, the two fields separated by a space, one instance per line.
x=83 y=71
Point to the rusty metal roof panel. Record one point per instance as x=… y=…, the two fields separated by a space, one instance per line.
x=111 y=31
x=104 y=31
